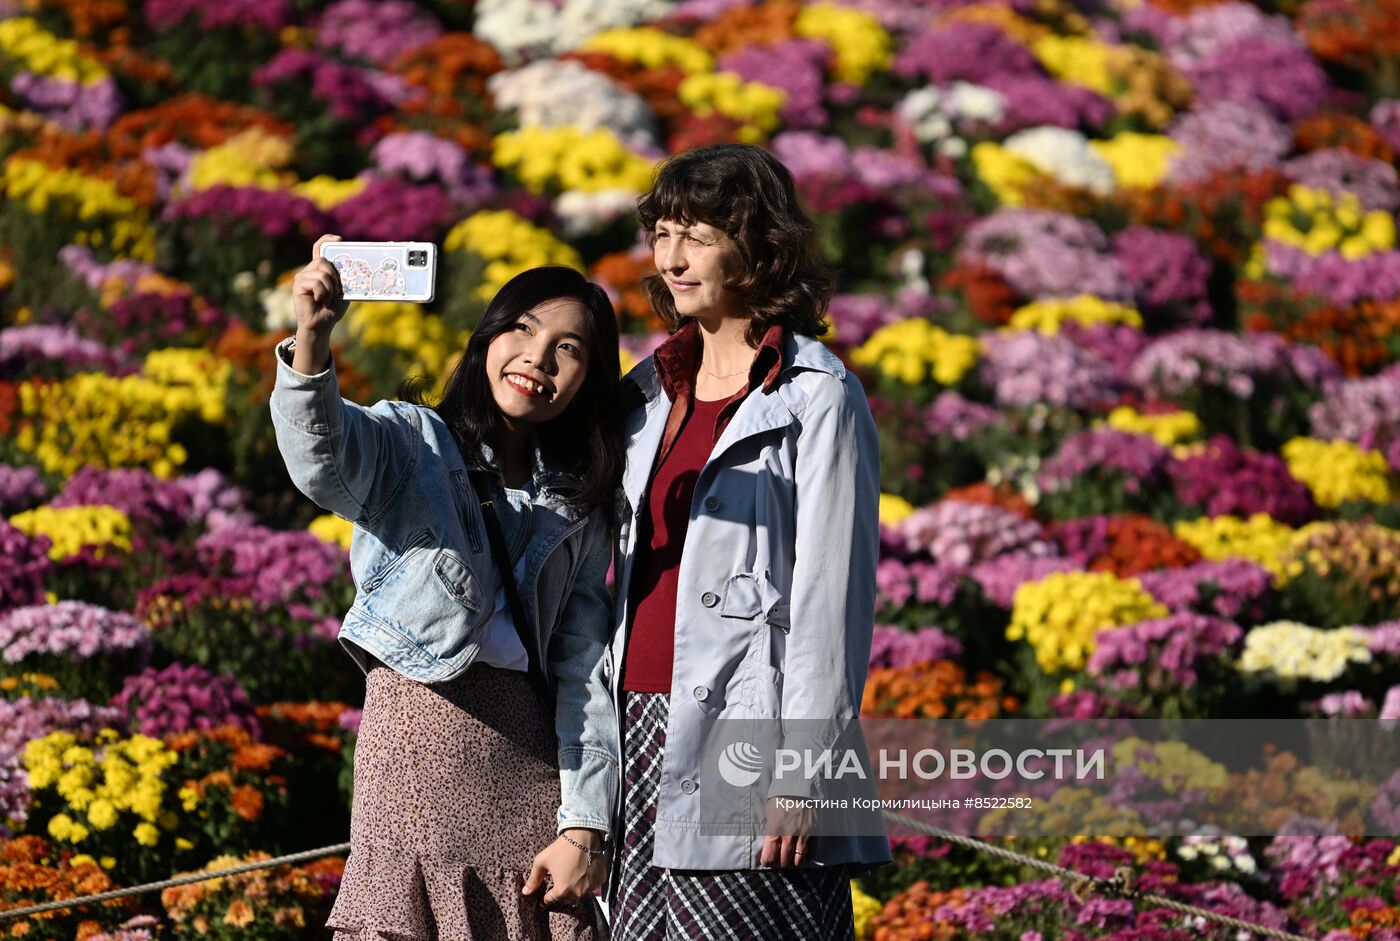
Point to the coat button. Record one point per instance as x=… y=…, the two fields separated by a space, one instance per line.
x=712 y=503
x=709 y=599
x=688 y=786
x=701 y=693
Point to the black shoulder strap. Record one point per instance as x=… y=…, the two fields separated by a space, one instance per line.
x=507 y=576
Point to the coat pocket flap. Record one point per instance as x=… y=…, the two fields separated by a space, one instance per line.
x=743 y=597
x=458 y=579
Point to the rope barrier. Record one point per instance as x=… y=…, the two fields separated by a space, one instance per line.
x=302 y=857
x=1120 y=884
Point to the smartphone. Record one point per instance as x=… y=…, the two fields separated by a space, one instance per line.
x=384 y=271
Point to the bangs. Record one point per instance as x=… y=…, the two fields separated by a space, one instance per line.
x=682 y=202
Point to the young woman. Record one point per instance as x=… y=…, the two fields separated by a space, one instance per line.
x=746 y=585
x=486 y=701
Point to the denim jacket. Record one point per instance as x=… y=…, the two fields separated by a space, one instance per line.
x=424 y=575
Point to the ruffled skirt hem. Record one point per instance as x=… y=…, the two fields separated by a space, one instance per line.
x=406 y=897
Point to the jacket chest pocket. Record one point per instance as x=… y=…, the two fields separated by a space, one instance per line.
x=430 y=594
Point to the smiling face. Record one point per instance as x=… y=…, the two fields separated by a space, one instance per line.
x=537 y=366
x=696 y=261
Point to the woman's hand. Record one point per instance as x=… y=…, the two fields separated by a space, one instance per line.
x=317 y=300
x=788 y=841
x=566 y=866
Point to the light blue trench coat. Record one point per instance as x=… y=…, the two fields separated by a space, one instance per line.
x=776 y=596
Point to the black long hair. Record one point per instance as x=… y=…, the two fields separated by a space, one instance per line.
x=584 y=440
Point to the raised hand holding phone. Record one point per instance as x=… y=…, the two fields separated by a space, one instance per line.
x=384 y=271
x=319 y=302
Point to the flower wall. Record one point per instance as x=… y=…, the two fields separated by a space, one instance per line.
x=1121 y=280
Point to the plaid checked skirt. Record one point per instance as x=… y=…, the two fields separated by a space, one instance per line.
x=655 y=904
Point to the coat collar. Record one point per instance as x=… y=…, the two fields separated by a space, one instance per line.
x=677 y=360
x=645 y=406
x=800 y=352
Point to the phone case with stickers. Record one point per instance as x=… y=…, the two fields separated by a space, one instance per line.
x=384 y=271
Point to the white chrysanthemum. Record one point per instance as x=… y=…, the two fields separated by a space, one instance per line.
x=977 y=102
x=554 y=93
x=517 y=28
x=523 y=29
x=279 y=312
x=585 y=213
x=1223 y=853
x=935 y=113
x=1065 y=155
x=922 y=109
x=1291 y=651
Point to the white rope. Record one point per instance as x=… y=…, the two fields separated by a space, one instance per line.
x=177 y=880
x=1080 y=884
x=1120 y=885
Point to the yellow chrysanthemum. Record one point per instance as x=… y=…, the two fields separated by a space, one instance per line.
x=71 y=528
x=327 y=192
x=423 y=344
x=119 y=780
x=251 y=158
x=1260 y=539
x=1059 y=615
x=108 y=219
x=33 y=49
x=913 y=351
x=97 y=420
x=1175 y=766
x=1169 y=428
x=566 y=158
x=1338 y=471
x=1138 y=160
x=331 y=528
x=509 y=245
x=1007 y=175
x=1047 y=316
x=1316 y=221
x=1077 y=60
x=861 y=45
x=754 y=105
x=893 y=509
x=652 y=48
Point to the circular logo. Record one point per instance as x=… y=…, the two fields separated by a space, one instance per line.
x=740 y=764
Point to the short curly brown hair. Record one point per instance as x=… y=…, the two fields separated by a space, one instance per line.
x=747 y=194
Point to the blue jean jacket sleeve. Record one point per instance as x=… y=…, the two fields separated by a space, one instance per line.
x=346 y=458
x=585 y=720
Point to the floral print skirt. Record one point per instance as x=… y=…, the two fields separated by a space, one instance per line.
x=456 y=790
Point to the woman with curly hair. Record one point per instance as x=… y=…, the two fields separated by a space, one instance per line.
x=746 y=568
